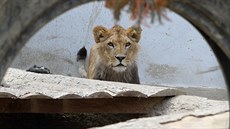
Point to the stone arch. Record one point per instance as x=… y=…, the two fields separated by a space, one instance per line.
x=21 y=19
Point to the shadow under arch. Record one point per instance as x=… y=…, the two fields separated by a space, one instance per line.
x=32 y=16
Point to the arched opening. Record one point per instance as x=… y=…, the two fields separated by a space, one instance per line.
x=17 y=40
x=165 y=58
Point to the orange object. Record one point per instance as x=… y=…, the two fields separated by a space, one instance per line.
x=139 y=9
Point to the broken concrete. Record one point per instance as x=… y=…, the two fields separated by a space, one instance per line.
x=217 y=121
x=207 y=121
x=186 y=103
x=182 y=112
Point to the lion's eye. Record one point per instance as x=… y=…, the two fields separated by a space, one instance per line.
x=127 y=45
x=110 y=44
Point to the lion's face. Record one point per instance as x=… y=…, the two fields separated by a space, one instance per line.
x=117 y=47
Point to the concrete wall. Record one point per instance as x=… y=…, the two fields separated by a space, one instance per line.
x=172 y=54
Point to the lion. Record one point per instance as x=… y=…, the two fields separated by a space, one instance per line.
x=113 y=55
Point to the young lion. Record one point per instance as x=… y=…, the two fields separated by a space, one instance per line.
x=113 y=56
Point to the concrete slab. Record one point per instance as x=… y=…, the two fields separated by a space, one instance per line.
x=21 y=84
x=186 y=103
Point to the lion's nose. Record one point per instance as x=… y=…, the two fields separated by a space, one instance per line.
x=120 y=58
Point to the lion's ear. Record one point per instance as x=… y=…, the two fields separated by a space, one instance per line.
x=134 y=33
x=100 y=34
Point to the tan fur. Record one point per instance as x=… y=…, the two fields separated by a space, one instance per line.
x=104 y=58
